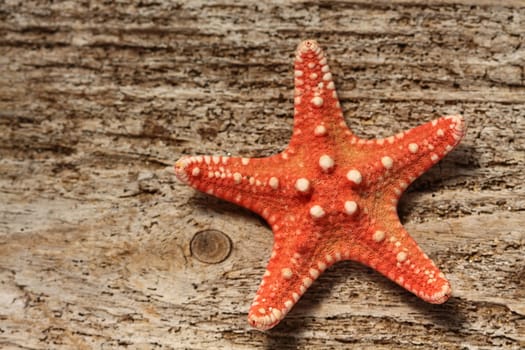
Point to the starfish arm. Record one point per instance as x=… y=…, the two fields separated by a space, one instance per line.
x=296 y=262
x=389 y=249
x=263 y=185
x=318 y=118
x=402 y=158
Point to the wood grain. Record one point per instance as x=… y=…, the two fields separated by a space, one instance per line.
x=98 y=99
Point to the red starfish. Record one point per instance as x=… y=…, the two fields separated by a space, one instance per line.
x=330 y=196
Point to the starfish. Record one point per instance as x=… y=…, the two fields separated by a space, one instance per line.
x=330 y=195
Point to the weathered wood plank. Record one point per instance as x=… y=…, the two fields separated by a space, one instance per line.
x=97 y=100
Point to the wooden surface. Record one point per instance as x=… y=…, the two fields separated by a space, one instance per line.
x=98 y=100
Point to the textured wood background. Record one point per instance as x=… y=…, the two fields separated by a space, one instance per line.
x=98 y=99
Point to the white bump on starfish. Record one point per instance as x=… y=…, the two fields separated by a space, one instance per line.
x=314 y=273
x=354 y=176
x=390 y=139
x=434 y=122
x=387 y=162
x=288 y=304
x=180 y=168
x=430 y=146
x=313 y=76
x=326 y=162
x=273 y=182
x=457 y=125
x=401 y=256
x=287 y=273
x=320 y=130
x=302 y=185
x=330 y=86
x=251 y=180
x=322 y=266
x=448 y=148
x=456 y=118
x=434 y=157
x=327 y=76
x=262 y=310
x=298 y=73
x=413 y=147
x=297 y=100
x=277 y=313
x=245 y=161
x=216 y=159
x=207 y=159
x=378 y=236
x=317 y=212
x=317 y=101
x=350 y=207
x=237 y=177
x=196 y=171
x=307 y=282
x=440 y=133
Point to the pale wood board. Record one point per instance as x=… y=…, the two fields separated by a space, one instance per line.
x=98 y=100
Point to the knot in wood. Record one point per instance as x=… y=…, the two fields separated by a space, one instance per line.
x=210 y=246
